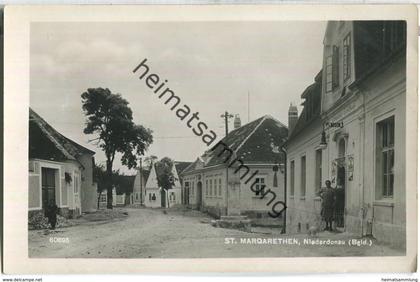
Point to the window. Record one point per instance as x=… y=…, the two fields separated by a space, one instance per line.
x=385 y=157
x=102 y=198
x=292 y=178
x=346 y=57
x=211 y=187
x=220 y=187
x=328 y=78
x=318 y=170
x=192 y=189
x=76 y=183
x=150 y=197
x=332 y=70
x=259 y=186
x=303 y=176
x=207 y=187
x=137 y=196
x=335 y=73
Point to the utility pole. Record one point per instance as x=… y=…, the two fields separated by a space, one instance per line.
x=226 y=116
x=141 y=184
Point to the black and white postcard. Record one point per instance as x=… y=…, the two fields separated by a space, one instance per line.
x=191 y=138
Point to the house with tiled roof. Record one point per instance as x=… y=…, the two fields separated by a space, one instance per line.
x=155 y=196
x=139 y=185
x=222 y=181
x=60 y=171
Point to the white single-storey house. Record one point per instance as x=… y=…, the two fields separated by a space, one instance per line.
x=60 y=171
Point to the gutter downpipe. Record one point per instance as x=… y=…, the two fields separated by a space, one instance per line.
x=285 y=190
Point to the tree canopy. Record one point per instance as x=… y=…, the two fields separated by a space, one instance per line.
x=111 y=119
x=166 y=179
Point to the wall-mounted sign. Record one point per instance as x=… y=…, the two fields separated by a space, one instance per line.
x=329 y=124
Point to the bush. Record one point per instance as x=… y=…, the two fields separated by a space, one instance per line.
x=37 y=221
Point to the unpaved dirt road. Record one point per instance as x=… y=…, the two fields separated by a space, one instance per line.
x=149 y=233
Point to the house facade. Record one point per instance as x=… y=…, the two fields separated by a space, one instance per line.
x=117 y=199
x=139 y=187
x=237 y=176
x=60 y=171
x=356 y=138
x=155 y=196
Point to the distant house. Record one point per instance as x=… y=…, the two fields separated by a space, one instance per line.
x=122 y=193
x=139 y=186
x=125 y=190
x=210 y=185
x=180 y=167
x=60 y=171
x=352 y=132
x=155 y=196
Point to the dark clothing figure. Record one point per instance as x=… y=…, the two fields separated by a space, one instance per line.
x=327 y=206
x=52 y=212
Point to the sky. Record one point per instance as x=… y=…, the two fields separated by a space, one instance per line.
x=211 y=66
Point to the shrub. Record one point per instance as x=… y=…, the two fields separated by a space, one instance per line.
x=37 y=221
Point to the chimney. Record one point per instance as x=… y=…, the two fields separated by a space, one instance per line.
x=293 y=117
x=237 y=122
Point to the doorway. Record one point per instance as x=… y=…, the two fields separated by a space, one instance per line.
x=340 y=197
x=199 y=195
x=340 y=204
x=48 y=187
x=163 y=198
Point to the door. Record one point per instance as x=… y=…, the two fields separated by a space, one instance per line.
x=199 y=195
x=48 y=187
x=162 y=198
x=187 y=195
x=76 y=193
x=340 y=202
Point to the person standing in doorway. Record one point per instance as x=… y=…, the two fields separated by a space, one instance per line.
x=328 y=205
x=52 y=215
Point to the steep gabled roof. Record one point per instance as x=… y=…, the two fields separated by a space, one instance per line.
x=145 y=173
x=180 y=166
x=256 y=142
x=193 y=165
x=47 y=143
x=158 y=171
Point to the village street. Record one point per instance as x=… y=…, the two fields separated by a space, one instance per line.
x=150 y=233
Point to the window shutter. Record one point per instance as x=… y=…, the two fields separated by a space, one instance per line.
x=335 y=63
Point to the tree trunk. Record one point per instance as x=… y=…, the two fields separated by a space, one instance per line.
x=109 y=185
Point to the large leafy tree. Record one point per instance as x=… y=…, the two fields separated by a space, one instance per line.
x=111 y=119
x=165 y=177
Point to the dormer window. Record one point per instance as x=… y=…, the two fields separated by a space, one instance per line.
x=332 y=70
x=346 y=58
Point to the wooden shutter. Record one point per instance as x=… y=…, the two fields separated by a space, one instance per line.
x=335 y=63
